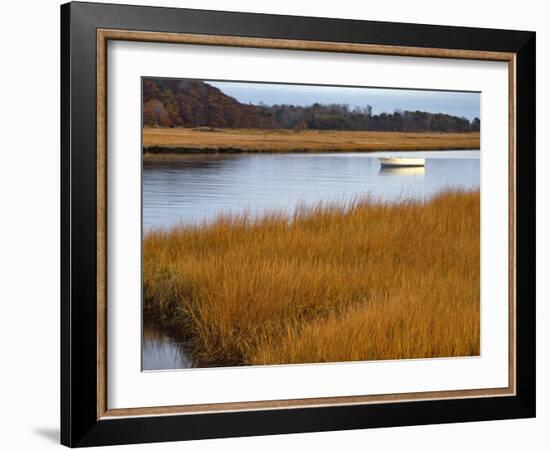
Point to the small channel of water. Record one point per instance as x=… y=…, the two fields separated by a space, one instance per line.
x=162 y=352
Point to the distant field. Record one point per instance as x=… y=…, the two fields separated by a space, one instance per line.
x=362 y=281
x=185 y=140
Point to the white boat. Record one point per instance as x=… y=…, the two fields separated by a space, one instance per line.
x=402 y=162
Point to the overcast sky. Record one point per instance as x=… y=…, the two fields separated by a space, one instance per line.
x=462 y=104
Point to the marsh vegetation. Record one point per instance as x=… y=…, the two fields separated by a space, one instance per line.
x=187 y=140
x=361 y=280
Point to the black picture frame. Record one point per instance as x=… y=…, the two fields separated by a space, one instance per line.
x=80 y=425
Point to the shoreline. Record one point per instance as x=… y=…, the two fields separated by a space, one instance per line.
x=183 y=141
x=152 y=152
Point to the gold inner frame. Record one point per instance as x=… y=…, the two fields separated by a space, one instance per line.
x=104 y=35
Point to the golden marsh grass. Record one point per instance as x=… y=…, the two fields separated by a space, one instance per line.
x=364 y=281
x=184 y=140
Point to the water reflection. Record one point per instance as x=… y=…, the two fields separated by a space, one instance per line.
x=161 y=352
x=385 y=170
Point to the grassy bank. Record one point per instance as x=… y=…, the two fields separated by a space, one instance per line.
x=363 y=282
x=185 y=140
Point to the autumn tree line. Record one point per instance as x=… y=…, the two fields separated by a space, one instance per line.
x=194 y=103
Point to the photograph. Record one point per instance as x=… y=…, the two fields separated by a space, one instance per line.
x=300 y=224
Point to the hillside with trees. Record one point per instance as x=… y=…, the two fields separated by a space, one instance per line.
x=171 y=103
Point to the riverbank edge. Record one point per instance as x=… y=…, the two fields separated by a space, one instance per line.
x=182 y=151
x=165 y=320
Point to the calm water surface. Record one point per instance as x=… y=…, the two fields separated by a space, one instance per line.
x=199 y=187
x=161 y=352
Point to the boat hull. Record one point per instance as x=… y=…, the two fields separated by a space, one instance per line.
x=402 y=162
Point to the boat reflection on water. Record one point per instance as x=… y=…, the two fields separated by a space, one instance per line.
x=416 y=170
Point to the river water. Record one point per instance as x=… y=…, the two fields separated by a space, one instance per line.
x=199 y=187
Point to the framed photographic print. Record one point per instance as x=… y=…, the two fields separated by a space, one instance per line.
x=276 y=224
